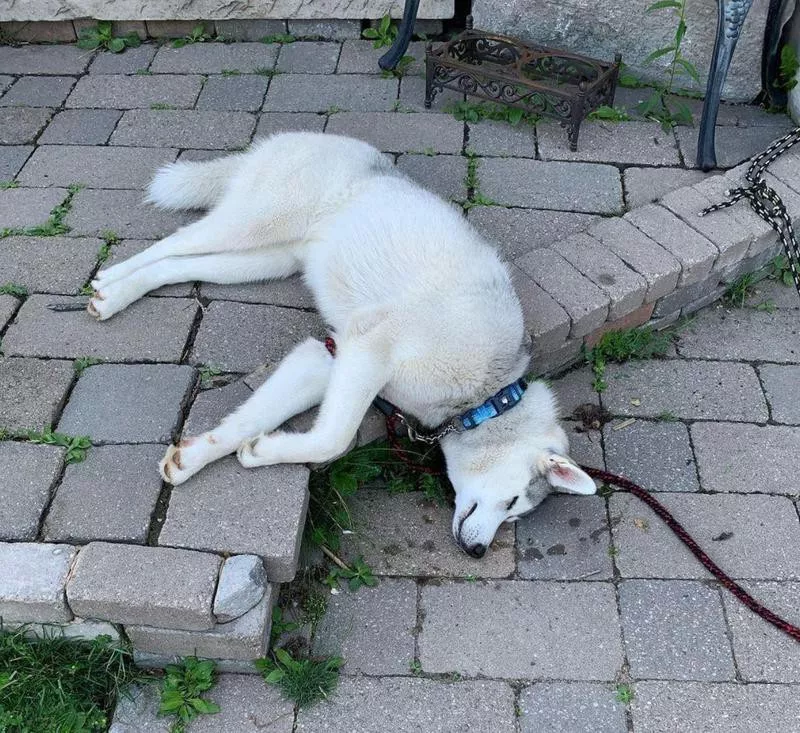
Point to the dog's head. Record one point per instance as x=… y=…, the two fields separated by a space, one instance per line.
x=505 y=467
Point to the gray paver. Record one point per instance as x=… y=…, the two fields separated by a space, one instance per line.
x=213 y=58
x=746 y=458
x=239 y=336
x=12 y=157
x=130 y=584
x=782 y=297
x=115 y=91
x=586 y=187
x=184 y=129
x=764 y=653
x=733 y=144
x=546 y=321
x=675 y=629
x=404 y=534
x=81 y=126
x=372 y=629
x=664 y=707
x=98 y=167
x=137 y=712
x=24 y=207
x=780 y=383
x=574 y=389
x=33 y=581
x=142 y=403
x=211 y=405
x=231 y=509
x=565 y=538
x=291 y=292
x=124 y=63
x=442 y=174
x=308 y=57
x=42 y=59
x=26 y=473
x=521 y=630
x=242 y=584
x=233 y=92
x=5 y=82
x=335 y=30
x=271 y=122
x=375 y=705
x=8 y=307
x=38 y=91
x=251 y=29
x=412 y=97
x=120 y=485
x=656 y=455
x=646 y=186
x=556 y=707
x=318 y=93
x=396 y=132
x=32 y=391
x=748 y=536
x=19 y=125
x=139 y=333
x=62 y=263
x=503 y=140
x=691 y=390
x=630 y=142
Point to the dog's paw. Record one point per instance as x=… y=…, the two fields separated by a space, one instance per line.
x=98 y=307
x=182 y=461
x=110 y=299
x=257 y=452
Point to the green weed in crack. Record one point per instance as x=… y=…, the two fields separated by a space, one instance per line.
x=182 y=690
x=54 y=225
x=474 y=195
x=605 y=113
x=18 y=291
x=476 y=112
x=383 y=34
x=279 y=38
x=305 y=681
x=82 y=363
x=197 y=35
x=5 y=185
x=76 y=446
x=102 y=36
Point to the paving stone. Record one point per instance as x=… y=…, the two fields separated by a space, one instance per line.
x=117 y=91
x=129 y=62
x=43 y=59
x=242 y=583
x=12 y=158
x=238 y=337
x=404 y=534
x=748 y=536
x=625 y=288
x=518 y=231
x=308 y=57
x=33 y=581
x=646 y=186
x=230 y=509
x=19 y=125
x=764 y=653
x=661 y=707
x=32 y=390
x=556 y=707
x=251 y=29
x=585 y=303
x=390 y=131
x=732 y=144
x=184 y=129
x=120 y=486
x=5 y=82
x=574 y=389
x=404 y=705
x=521 y=630
x=27 y=472
x=137 y=712
x=656 y=265
x=586 y=187
x=81 y=127
x=546 y=321
x=139 y=333
x=780 y=383
x=62 y=263
x=412 y=97
x=38 y=91
x=143 y=403
x=656 y=455
x=335 y=30
x=233 y=92
x=502 y=139
x=290 y=292
x=372 y=629
x=316 y=93
x=705 y=390
x=442 y=174
x=96 y=211
x=128 y=248
x=675 y=629
x=271 y=122
x=213 y=58
x=361 y=57
x=8 y=307
x=212 y=405
x=695 y=253
x=782 y=297
x=130 y=584
x=24 y=207
x=746 y=458
x=565 y=538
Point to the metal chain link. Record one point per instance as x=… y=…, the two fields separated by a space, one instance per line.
x=766 y=202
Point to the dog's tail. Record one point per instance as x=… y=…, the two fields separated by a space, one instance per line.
x=191 y=184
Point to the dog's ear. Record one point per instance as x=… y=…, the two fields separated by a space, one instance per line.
x=564 y=475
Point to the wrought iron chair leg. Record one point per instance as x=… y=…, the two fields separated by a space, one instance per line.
x=730 y=18
x=391 y=58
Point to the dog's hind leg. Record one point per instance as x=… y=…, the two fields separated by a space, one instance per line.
x=296 y=385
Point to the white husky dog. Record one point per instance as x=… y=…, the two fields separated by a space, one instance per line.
x=421 y=307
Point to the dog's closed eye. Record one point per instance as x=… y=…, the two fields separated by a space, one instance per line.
x=510 y=504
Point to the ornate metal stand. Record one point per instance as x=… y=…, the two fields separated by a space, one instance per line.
x=542 y=81
x=398 y=49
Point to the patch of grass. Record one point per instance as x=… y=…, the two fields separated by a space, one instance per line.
x=415 y=667
x=18 y=291
x=279 y=38
x=230 y=72
x=198 y=35
x=82 y=363
x=5 y=185
x=358 y=574
x=54 y=684
x=304 y=681
x=383 y=34
x=266 y=71
x=76 y=445
x=620 y=346
x=740 y=290
x=609 y=114
x=667 y=416
x=474 y=195
x=55 y=222
x=143 y=72
x=612 y=551
x=476 y=112
x=182 y=690
x=788 y=68
x=102 y=36
x=333 y=109
x=162 y=105
x=780 y=271
x=400 y=70
x=624 y=694
x=314 y=605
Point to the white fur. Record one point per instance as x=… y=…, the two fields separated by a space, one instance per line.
x=422 y=309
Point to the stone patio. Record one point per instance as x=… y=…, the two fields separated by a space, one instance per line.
x=584 y=595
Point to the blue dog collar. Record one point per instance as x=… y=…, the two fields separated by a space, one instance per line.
x=503 y=401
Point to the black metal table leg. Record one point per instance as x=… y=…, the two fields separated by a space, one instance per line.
x=391 y=58
x=730 y=18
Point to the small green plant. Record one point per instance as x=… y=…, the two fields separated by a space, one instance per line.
x=55 y=222
x=207 y=374
x=305 y=681
x=5 y=185
x=18 y=291
x=197 y=35
x=102 y=36
x=476 y=112
x=624 y=694
x=280 y=626
x=357 y=575
x=279 y=38
x=161 y=105
x=230 y=72
x=740 y=290
x=667 y=416
x=82 y=363
x=266 y=71
x=619 y=346
x=429 y=152
x=333 y=110
x=400 y=70
x=76 y=445
x=143 y=72
x=788 y=68
x=471 y=578
x=182 y=689
x=474 y=195
x=609 y=114
x=612 y=551
x=780 y=271
x=415 y=667
x=382 y=34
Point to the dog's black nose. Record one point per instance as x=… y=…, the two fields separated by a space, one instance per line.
x=478 y=550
